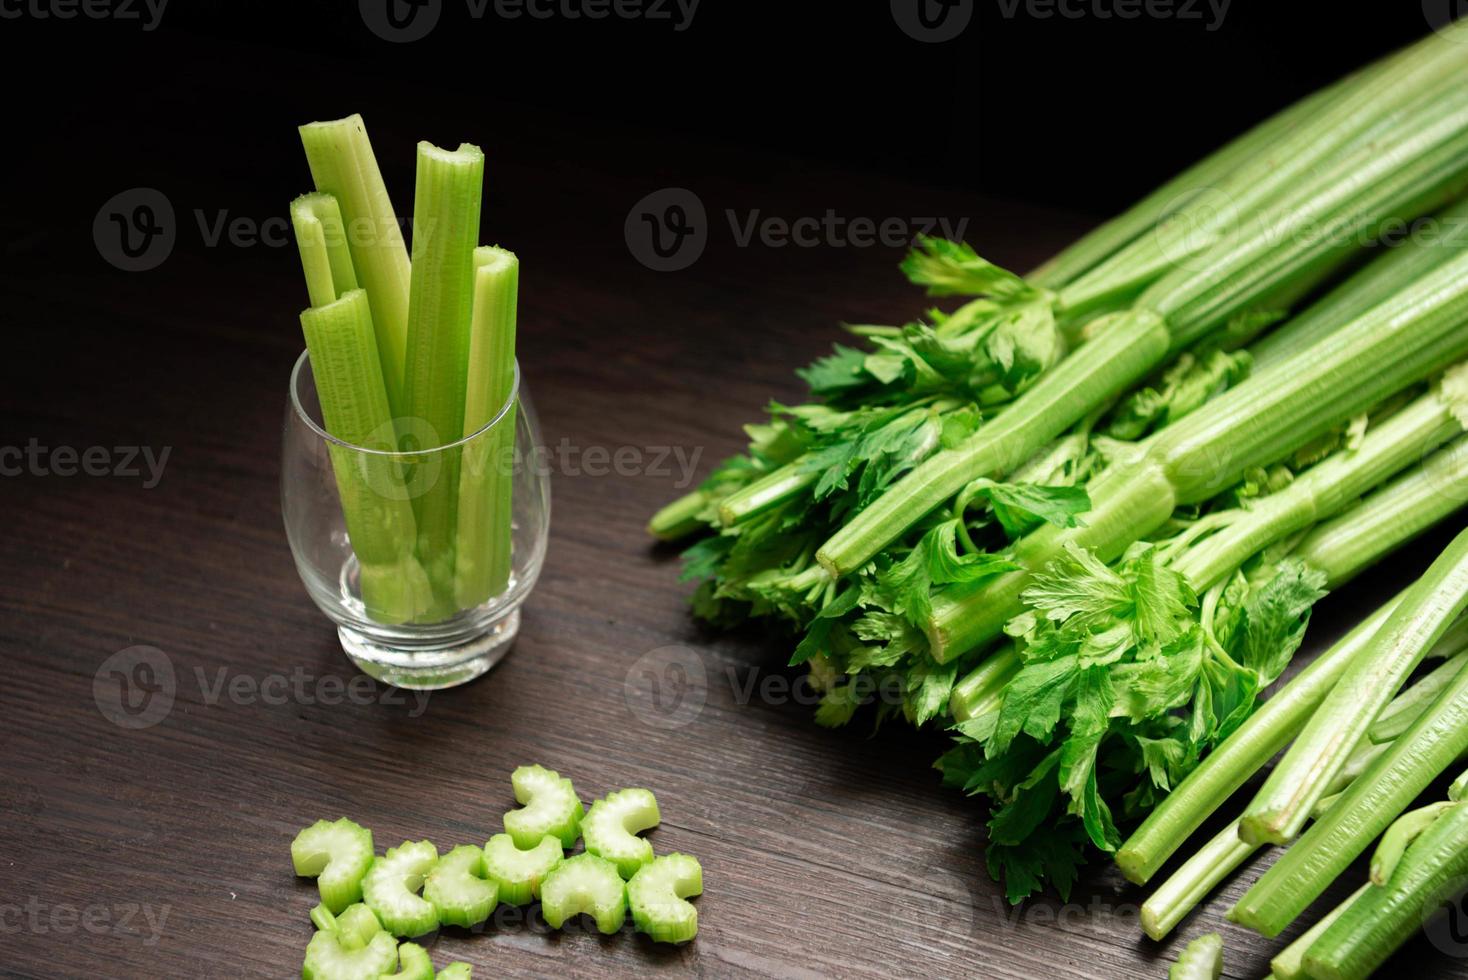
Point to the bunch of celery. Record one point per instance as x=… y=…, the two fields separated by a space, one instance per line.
x=409 y=357
x=1062 y=516
x=1363 y=749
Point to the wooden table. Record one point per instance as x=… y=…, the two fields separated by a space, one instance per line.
x=161 y=851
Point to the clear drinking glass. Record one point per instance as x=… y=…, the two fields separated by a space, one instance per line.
x=449 y=543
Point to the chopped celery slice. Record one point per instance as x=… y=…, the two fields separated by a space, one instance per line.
x=611 y=826
x=446 y=230
x=322 y=241
x=352 y=946
x=457 y=888
x=456 y=971
x=585 y=883
x=1201 y=960
x=658 y=895
x=343 y=165
x=519 y=873
x=354 y=405
x=337 y=854
x=549 y=806
x=482 y=553
x=357 y=925
x=413 y=964
x=390 y=889
x=328 y=959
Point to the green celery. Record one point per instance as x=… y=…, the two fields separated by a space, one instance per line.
x=446 y=202
x=1261 y=420
x=482 y=552
x=1289 y=963
x=1302 y=238
x=1202 y=959
x=354 y=405
x=343 y=165
x=321 y=238
x=1377 y=281
x=1372 y=802
x=1280 y=809
x=680 y=518
x=1381 y=918
x=1357 y=117
x=1343 y=546
x=1192 y=882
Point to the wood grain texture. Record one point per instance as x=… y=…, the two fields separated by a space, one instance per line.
x=825 y=853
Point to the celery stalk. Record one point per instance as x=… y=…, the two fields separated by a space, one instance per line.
x=1373 y=801
x=1265 y=264
x=482 y=553
x=1430 y=606
x=343 y=165
x=1344 y=545
x=354 y=405
x=1198 y=876
x=1265 y=418
x=446 y=204
x=1289 y=964
x=322 y=241
x=1381 y=918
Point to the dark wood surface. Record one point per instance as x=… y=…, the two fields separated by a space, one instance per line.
x=825 y=853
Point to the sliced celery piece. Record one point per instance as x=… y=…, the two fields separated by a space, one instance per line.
x=456 y=971
x=549 y=806
x=328 y=959
x=658 y=895
x=349 y=947
x=519 y=873
x=413 y=964
x=457 y=888
x=446 y=228
x=390 y=889
x=322 y=241
x=1201 y=960
x=611 y=826
x=374 y=500
x=337 y=854
x=343 y=165
x=357 y=925
x=585 y=883
x=482 y=555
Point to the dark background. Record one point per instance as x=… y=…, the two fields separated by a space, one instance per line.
x=824 y=850
x=1085 y=113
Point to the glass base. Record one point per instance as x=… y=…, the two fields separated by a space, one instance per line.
x=419 y=668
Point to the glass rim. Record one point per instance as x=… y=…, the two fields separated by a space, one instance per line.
x=320 y=429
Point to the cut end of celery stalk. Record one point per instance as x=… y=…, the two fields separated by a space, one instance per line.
x=1267 y=828
x=1134 y=865
x=678 y=519
x=321 y=239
